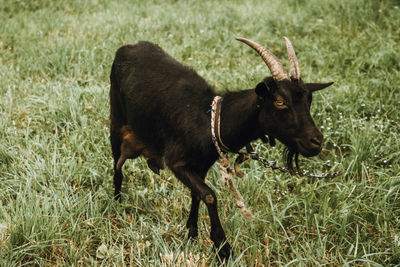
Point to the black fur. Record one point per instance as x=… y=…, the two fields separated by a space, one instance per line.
x=159 y=109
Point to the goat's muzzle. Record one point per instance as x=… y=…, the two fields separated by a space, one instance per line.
x=311 y=144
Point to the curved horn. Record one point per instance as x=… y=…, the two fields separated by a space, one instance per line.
x=294 y=64
x=273 y=63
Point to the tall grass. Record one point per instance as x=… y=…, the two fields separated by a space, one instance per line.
x=55 y=158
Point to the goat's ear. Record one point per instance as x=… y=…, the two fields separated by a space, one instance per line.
x=317 y=86
x=264 y=88
x=261 y=90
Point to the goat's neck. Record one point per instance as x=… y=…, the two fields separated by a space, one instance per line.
x=239 y=119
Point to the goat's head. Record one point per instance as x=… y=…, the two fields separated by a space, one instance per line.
x=285 y=105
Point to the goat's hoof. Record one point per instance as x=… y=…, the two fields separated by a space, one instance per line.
x=117 y=197
x=224 y=252
x=193 y=233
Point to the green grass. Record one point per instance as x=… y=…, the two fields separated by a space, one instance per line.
x=55 y=158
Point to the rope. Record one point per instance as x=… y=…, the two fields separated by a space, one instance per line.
x=224 y=163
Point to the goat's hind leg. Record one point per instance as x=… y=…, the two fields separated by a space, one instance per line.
x=124 y=146
x=116 y=140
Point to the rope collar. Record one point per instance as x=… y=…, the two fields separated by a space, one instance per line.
x=216 y=126
x=224 y=164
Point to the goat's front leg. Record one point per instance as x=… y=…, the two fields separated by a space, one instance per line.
x=193 y=216
x=207 y=195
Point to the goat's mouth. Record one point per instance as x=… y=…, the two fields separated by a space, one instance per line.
x=308 y=150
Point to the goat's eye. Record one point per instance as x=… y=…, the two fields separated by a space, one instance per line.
x=280 y=104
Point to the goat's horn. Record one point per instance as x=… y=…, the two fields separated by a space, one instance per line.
x=294 y=64
x=273 y=63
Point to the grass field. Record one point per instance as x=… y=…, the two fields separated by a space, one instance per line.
x=55 y=157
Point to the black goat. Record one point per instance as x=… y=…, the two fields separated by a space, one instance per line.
x=159 y=109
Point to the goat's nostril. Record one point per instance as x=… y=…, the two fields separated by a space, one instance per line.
x=315 y=141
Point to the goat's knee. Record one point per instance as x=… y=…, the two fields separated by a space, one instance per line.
x=209 y=197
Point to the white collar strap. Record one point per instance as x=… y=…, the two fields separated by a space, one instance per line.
x=216 y=125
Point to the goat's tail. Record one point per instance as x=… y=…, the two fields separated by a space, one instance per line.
x=117 y=112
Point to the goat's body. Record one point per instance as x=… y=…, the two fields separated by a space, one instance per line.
x=164 y=103
x=159 y=109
